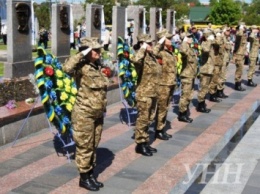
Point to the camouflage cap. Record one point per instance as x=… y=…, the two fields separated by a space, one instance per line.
x=91 y=42
x=253 y=27
x=207 y=33
x=144 y=38
x=162 y=33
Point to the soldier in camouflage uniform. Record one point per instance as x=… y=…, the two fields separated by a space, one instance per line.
x=187 y=76
x=87 y=114
x=254 y=46
x=166 y=84
x=239 y=56
x=227 y=46
x=146 y=92
x=206 y=69
x=217 y=62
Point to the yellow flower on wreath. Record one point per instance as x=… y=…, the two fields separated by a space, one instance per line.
x=64 y=96
x=60 y=83
x=67 y=81
x=59 y=73
x=69 y=106
x=67 y=88
x=72 y=99
x=74 y=91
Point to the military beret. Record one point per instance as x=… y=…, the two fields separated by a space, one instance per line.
x=90 y=42
x=144 y=38
x=162 y=33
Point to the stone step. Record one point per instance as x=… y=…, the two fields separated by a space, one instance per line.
x=119 y=167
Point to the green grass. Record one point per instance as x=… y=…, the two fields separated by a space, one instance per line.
x=1 y=69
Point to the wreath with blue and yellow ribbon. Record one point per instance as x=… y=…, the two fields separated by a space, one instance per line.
x=57 y=90
x=127 y=71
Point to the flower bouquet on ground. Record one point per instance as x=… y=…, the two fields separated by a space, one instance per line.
x=57 y=90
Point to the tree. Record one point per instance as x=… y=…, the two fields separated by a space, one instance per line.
x=42 y=12
x=213 y=2
x=225 y=12
x=252 y=13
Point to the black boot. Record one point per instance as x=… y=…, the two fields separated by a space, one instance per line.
x=94 y=179
x=221 y=94
x=251 y=83
x=150 y=148
x=141 y=148
x=161 y=134
x=184 y=118
x=238 y=87
x=86 y=182
x=213 y=98
x=202 y=107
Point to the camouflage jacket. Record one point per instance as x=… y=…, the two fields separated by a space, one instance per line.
x=169 y=69
x=227 y=49
x=189 y=61
x=149 y=71
x=240 y=43
x=92 y=86
x=219 y=50
x=254 y=46
x=207 y=57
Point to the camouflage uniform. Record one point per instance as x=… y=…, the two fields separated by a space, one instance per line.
x=167 y=82
x=226 y=54
x=218 y=62
x=146 y=91
x=87 y=113
x=254 y=46
x=206 y=68
x=239 y=57
x=188 y=74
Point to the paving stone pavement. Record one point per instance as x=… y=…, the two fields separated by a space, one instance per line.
x=33 y=166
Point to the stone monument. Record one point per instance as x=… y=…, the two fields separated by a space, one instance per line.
x=118 y=26
x=60 y=29
x=170 y=21
x=155 y=21
x=93 y=20
x=19 y=50
x=135 y=14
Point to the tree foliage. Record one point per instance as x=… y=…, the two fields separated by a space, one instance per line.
x=225 y=12
x=252 y=13
x=42 y=12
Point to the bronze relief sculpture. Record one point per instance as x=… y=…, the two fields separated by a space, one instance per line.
x=97 y=18
x=64 y=18
x=23 y=14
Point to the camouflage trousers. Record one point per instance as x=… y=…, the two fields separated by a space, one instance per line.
x=215 y=80
x=239 y=61
x=222 y=76
x=186 y=93
x=205 y=80
x=164 y=99
x=146 y=107
x=86 y=134
x=252 y=67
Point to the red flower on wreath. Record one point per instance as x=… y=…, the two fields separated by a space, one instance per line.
x=49 y=71
x=106 y=71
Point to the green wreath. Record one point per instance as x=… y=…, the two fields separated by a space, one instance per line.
x=57 y=90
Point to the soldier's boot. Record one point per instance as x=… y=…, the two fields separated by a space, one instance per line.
x=161 y=134
x=251 y=83
x=141 y=148
x=184 y=118
x=213 y=98
x=202 y=107
x=221 y=94
x=238 y=87
x=86 y=182
x=94 y=179
x=150 y=148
